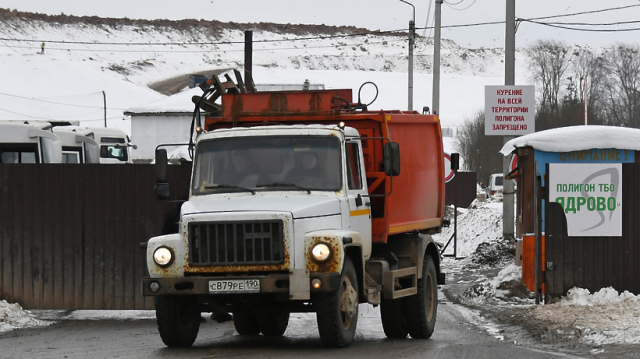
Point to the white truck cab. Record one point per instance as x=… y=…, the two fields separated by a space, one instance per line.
x=78 y=144
x=29 y=142
x=495 y=184
x=115 y=145
x=275 y=190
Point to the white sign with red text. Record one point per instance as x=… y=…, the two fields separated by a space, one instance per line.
x=509 y=110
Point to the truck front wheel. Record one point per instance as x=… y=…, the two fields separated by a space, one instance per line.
x=178 y=320
x=337 y=312
x=423 y=307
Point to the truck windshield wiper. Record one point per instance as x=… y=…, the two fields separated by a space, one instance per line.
x=230 y=186
x=282 y=184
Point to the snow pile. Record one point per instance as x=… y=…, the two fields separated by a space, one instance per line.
x=604 y=317
x=480 y=223
x=95 y=314
x=12 y=316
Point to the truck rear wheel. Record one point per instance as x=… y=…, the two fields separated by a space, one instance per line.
x=393 y=321
x=246 y=323
x=337 y=312
x=178 y=320
x=423 y=307
x=273 y=323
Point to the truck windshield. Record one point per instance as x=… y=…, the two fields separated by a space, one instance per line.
x=283 y=163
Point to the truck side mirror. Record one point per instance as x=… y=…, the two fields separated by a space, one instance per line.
x=391 y=158
x=161 y=188
x=161 y=165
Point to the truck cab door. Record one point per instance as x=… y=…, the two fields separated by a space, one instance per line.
x=359 y=202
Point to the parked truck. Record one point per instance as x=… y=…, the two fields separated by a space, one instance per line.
x=78 y=144
x=303 y=202
x=115 y=145
x=28 y=142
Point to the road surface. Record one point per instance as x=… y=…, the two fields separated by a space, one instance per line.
x=460 y=333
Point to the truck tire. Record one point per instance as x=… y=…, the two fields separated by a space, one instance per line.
x=421 y=309
x=337 y=312
x=394 y=323
x=273 y=323
x=178 y=319
x=246 y=323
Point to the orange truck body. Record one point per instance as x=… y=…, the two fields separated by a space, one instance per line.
x=416 y=202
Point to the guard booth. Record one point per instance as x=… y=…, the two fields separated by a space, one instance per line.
x=578 y=204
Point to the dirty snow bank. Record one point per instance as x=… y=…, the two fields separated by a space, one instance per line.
x=12 y=316
x=480 y=223
x=604 y=317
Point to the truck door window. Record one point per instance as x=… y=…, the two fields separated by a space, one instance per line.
x=118 y=150
x=19 y=154
x=354 y=178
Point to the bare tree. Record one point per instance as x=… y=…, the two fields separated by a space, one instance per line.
x=548 y=63
x=585 y=69
x=479 y=152
x=622 y=98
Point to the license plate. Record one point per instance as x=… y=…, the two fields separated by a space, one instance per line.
x=234 y=286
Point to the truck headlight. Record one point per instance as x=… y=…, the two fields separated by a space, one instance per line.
x=321 y=252
x=163 y=256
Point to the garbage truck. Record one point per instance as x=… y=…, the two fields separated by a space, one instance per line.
x=302 y=201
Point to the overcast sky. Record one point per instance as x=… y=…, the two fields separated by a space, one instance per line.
x=381 y=15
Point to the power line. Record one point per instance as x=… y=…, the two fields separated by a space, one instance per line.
x=57 y=103
x=53 y=118
x=320 y=37
x=594 y=24
x=579 y=29
x=207 y=50
x=585 y=12
x=459 y=2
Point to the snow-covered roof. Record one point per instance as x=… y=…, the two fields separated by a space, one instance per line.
x=178 y=103
x=577 y=138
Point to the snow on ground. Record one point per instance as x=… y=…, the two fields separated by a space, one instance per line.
x=604 y=317
x=84 y=64
x=12 y=316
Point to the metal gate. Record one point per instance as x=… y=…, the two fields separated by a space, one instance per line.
x=595 y=262
x=70 y=234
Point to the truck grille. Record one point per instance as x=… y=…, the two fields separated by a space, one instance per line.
x=236 y=243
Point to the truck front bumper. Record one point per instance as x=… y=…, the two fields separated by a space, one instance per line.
x=272 y=283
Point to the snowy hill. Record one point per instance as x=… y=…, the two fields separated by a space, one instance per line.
x=85 y=56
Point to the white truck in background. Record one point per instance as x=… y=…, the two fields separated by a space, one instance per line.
x=115 y=145
x=78 y=144
x=29 y=142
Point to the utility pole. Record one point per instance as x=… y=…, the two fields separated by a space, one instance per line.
x=586 y=94
x=436 y=59
x=412 y=33
x=104 y=100
x=509 y=80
